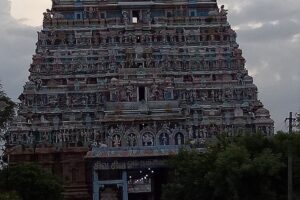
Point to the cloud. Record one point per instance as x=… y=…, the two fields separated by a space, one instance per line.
x=268 y=33
x=261 y=10
x=271 y=50
x=17 y=44
x=296 y=38
x=32 y=16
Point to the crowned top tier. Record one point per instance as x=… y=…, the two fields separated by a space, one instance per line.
x=132 y=2
x=130 y=11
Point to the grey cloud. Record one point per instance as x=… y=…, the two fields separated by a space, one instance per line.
x=282 y=31
x=17 y=44
x=5 y=7
x=263 y=10
x=270 y=51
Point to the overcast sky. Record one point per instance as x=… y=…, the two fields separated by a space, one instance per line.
x=268 y=33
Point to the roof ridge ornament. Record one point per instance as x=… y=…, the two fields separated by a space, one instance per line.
x=220 y=12
x=55 y=2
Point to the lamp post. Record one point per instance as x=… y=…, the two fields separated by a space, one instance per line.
x=290 y=158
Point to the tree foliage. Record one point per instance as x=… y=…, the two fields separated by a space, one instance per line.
x=241 y=168
x=298 y=120
x=6 y=114
x=6 y=108
x=9 y=196
x=30 y=182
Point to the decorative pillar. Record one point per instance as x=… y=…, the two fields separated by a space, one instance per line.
x=96 y=186
x=125 y=185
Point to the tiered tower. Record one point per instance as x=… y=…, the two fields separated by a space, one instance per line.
x=123 y=76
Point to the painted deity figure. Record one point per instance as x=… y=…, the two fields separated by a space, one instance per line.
x=191 y=132
x=125 y=17
x=240 y=78
x=205 y=133
x=148 y=139
x=148 y=60
x=129 y=92
x=131 y=140
x=77 y=85
x=116 y=141
x=88 y=119
x=111 y=131
x=123 y=95
x=148 y=16
x=164 y=139
x=30 y=138
x=155 y=93
x=179 y=139
x=228 y=93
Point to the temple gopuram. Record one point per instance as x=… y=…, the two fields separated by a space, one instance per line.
x=117 y=86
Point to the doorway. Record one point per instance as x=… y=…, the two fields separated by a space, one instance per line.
x=135 y=16
x=142 y=94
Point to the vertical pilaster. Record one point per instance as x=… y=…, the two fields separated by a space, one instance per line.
x=125 y=185
x=95 y=185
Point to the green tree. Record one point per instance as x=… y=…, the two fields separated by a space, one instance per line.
x=239 y=168
x=31 y=183
x=6 y=108
x=9 y=196
x=190 y=174
x=298 y=120
x=6 y=114
x=239 y=175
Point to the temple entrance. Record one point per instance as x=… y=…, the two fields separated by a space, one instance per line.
x=129 y=178
x=146 y=184
x=138 y=184
x=110 y=193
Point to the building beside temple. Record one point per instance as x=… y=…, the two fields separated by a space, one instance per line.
x=117 y=86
